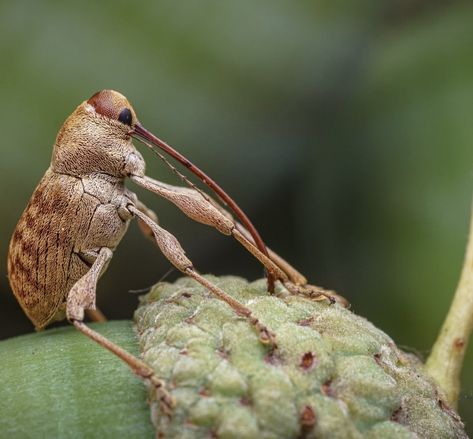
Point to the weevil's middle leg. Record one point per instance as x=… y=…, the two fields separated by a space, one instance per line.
x=294 y=276
x=173 y=251
x=82 y=297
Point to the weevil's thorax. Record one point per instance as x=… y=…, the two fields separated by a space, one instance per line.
x=90 y=142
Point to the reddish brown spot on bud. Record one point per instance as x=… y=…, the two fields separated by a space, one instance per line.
x=272 y=358
x=189 y=319
x=307 y=361
x=459 y=343
x=224 y=353
x=396 y=415
x=327 y=389
x=306 y=322
x=447 y=409
x=204 y=392
x=245 y=400
x=307 y=417
x=377 y=358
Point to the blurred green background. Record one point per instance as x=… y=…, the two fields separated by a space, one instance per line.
x=343 y=129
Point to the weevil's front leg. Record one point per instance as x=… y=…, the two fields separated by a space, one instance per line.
x=297 y=283
x=195 y=206
x=173 y=251
x=207 y=211
x=294 y=276
x=81 y=297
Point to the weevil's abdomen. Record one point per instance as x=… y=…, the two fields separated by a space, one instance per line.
x=46 y=250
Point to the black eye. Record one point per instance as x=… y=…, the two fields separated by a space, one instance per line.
x=125 y=116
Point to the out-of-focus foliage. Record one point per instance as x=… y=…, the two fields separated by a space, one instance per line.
x=344 y=130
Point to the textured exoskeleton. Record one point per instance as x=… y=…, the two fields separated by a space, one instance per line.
x=80 y=211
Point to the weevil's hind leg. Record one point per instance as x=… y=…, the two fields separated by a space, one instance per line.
x=96 y=315
x=82 y=297
x=173 y=251
x=139 y=367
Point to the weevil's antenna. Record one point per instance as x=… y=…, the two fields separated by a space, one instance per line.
x=146 y=290
x=142 y=134
x=180 y=175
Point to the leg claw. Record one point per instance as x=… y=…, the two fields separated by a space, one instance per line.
x=267 y=337
x=317 y=293
x=166 y=401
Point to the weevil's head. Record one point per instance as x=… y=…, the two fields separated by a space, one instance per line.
x=96 y=137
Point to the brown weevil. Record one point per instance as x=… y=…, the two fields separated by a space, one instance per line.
x=81 y=209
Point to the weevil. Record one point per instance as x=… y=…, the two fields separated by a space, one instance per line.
x=81 y=209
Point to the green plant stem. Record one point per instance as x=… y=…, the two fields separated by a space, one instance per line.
x=445 y=362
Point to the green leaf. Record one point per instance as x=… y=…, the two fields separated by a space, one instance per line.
x=60 y=384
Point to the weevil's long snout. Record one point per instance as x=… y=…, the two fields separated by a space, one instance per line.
x=141 y=133
x=149 y=139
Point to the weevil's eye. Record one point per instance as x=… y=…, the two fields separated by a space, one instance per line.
x=125 y=116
